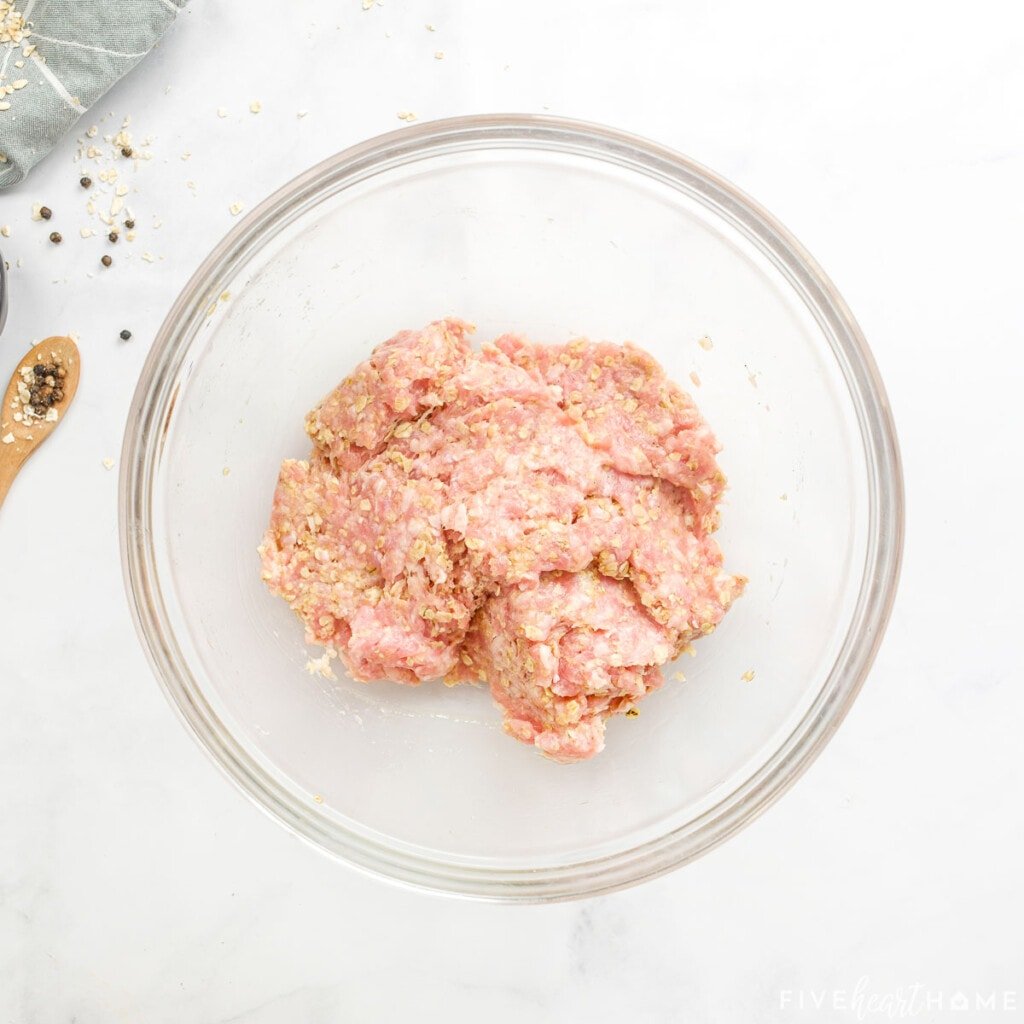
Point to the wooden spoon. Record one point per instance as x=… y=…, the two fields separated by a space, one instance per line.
x=18 y=440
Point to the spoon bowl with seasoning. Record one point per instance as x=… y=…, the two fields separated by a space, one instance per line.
x=38 y=396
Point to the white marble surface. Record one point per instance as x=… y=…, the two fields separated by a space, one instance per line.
x=137 y=885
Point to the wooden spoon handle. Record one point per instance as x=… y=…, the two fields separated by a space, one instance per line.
x=8 y=471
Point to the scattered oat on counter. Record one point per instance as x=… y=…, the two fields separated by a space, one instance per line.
x=6 y=231
x=439 y=55
x=235 y=209
x=222 y=111
x=108 y=463
x=705 y=343
x=255 y=107
x=106 y=175
x=694 y=378
x=406 y=115
x=123 y=143
x=748 y=676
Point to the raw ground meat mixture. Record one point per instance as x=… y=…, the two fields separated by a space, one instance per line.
x=537 y=517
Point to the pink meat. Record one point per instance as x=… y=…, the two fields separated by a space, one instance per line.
x=453 y=497
x=406 y=375
x=562 y=654
x=628 y=410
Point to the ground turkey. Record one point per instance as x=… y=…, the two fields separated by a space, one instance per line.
x=537 y=517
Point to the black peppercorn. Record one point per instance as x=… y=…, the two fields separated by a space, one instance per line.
x=56 y=237
x=85 y=181
x=45 y=212
x=126 y=151
x=45 y=389
x=113 y=236
x=106 y=261
x=129 y=223
x=126 y=335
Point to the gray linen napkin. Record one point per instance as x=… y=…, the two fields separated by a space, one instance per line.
x=67 y=55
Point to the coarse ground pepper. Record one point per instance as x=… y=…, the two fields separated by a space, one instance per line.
x=40 y=390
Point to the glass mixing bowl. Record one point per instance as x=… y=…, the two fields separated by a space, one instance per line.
x=554 y=229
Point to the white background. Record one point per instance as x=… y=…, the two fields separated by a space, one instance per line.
x=137 y=885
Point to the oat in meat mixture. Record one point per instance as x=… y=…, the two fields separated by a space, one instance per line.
x=535 y=517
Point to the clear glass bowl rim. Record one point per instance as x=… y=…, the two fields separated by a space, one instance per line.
x=152 y=408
